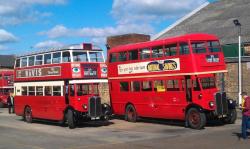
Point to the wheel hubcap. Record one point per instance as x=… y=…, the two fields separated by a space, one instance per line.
x=194 y=118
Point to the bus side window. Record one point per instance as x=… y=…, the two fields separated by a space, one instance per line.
x=157 y=52
x=57 y=91
x=122 y=56
x=31 y=91
x=144 y=53
x=31 y=61
x=199 y=47
x=135 y=86
x=72 y=90
x=124 y=87
x=196 y=85
x=146 y=86
x=39 y=60
x=112 y=57
x=48 y=90
x=184 y=49
x=133 y=55
x=24 y=90
x=39 y=91
x=47 y=58
x=66 y=56
x=24 y=62
x=171 y=50
x=172 y=85
x=56 y=58
x=159 y=86
x=17 y=63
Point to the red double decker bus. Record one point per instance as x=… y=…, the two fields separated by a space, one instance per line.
x=172 y=78
x=6 y=86
x=61 y=84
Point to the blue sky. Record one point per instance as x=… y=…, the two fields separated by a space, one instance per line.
x=28 y=25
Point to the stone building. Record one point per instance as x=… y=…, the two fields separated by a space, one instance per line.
x=217 y=18
x=7 y=62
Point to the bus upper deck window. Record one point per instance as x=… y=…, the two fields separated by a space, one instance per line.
x=47 y=58
x=214 y=46
x=31 y=61
x=56 y=58
x=39 y=60
x=184 y=49
x=80 y=57
x=96 y=57
x=144 y=53
x=171 y=50
x=199 y=47
x=133 y=55
x=17 y=63
x=112 y=57
x=122 y=56
x=24 y=62
x=66 y=56
x=157 y=52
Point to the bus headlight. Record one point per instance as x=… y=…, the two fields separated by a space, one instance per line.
x=211 y=104
x=85 y=107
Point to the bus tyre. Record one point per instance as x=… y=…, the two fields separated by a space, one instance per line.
x=70 y=118
x=231 y=117
x=195 y=118
x=131 y=114
x=28 y=115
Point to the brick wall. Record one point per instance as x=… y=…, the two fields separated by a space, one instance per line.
x=113 y=41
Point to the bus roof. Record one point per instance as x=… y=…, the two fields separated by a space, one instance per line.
x=194 y=36
x=68 y=47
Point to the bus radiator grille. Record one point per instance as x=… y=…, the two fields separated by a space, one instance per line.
x=95 y=107
x=221 y=104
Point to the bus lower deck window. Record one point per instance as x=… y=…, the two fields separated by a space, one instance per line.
x=135 y=86
x=124 y=86
x=146 y=86
x=56 y=90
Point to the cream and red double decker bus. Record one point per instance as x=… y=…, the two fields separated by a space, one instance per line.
x=173 y=78
x=61 y=84
x=6 y=86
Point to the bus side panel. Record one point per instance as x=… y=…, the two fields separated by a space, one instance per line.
x=118 y=105
x=55 y=107
x=19 y=105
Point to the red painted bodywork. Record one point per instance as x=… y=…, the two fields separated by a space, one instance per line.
x=53 y=107
x=6 y=85
x=168 y=104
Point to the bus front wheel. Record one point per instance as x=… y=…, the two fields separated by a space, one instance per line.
x=71 y=119
x=195 y=118
x=131 y=114
x=28 y=115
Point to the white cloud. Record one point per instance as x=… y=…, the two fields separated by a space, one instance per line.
x=48 y=44
x=6 y=37
x=14 y=12
x=127 y=11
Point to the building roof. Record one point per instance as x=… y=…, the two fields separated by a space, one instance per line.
x=214 y=18
x=7 y=61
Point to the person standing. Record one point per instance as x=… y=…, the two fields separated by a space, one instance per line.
x=10 y=102
x=245 y=114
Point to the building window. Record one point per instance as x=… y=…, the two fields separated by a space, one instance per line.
x=199 y=47
x=124 y=87
x=24 y=62
x=184 y=49
x=157 y=52
x=171 y=50
x=135 y=86
x=172 y=85
x=144 y=53
x=122 y=56
x=146 y=86
x=47 y=59
x=31 y=61
x=56 y=58
x=66 y=56
x=133 y=55
x=39 y=60
x=48 y=90
x=31 y=91
x=39 y=91
x=24 y=90
x=56 y=90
